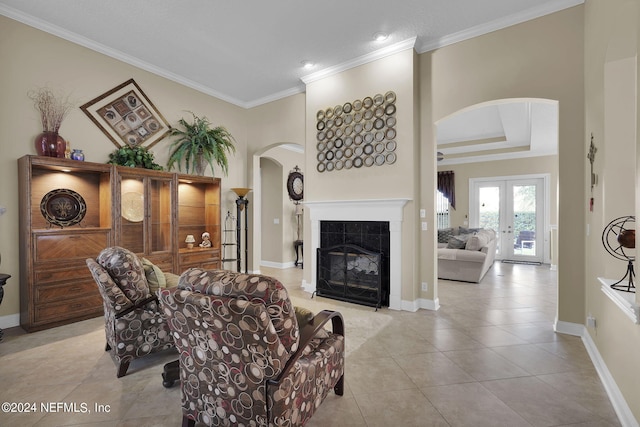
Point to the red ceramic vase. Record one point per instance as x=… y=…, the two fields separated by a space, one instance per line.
x=50 y=144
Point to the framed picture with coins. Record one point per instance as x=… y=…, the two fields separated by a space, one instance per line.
x=127 y=116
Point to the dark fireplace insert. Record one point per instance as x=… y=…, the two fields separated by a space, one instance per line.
x=350 y=273
x=353 y=262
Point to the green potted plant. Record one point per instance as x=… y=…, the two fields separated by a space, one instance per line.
x=198 y=144
x=134 y=157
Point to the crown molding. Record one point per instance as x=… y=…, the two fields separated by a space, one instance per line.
x=361 y=60
x=498 y=24
x=274 y=97
x=113 y=53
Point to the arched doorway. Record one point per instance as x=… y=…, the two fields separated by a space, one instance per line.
x=504 y=140
x=280 y=158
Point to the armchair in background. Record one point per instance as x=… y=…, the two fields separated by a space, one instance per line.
x=134 y=325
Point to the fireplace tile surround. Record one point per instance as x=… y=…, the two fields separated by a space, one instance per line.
x=386 y=210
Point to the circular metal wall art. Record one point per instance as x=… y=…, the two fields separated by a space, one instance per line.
x=358 y=133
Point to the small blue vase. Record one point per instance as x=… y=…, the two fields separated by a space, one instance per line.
x=77 y=155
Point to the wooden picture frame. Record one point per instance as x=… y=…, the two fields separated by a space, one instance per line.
x=127 y=116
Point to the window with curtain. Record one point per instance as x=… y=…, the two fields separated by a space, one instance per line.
x=446 y=186
x=442 y=211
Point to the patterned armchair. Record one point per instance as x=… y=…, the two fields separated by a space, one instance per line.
x=243 y=358
x=134 y=325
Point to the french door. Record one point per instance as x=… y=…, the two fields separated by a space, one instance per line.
x=515 y=209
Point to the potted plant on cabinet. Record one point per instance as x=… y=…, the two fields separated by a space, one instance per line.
x=134 y=157
x=198 y=144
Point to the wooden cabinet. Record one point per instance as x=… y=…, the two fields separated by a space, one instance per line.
x=55 y=284
x=148 y=212
x=198 y=212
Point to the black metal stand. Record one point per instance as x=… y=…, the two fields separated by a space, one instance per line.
x=3 y=281
x=241 y=205
x=629 y=287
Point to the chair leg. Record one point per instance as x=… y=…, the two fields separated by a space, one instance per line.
x=122 y=369
x=188 y=422
x=339 y=387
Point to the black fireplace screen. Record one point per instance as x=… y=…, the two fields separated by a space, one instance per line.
x=350 y=273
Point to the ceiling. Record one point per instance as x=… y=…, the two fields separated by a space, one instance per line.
x=500 y=130
x=250 y=52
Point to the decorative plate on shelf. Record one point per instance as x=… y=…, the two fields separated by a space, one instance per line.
x=63 y=207
x=133 y=206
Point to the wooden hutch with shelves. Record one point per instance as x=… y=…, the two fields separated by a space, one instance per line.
x=148 y=212
x=198 y=211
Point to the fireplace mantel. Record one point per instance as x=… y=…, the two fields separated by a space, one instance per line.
x=390 y=210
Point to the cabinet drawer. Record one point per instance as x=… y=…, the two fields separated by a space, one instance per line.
x=66 y=291
x=198 y=255
x=55 y=312
x=77 y=271
x=65 y=246
x=211 y=265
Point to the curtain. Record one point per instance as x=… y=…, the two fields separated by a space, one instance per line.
x=446 y=185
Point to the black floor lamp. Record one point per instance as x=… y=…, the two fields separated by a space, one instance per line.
x=241 y=205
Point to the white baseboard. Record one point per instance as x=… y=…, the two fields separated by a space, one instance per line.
x=424 y=303
x=307 y=287
x=10 y=321
x=615 y=395
x=568 y=328
x=278 y=265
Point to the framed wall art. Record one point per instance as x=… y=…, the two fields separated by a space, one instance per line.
x=127 y=116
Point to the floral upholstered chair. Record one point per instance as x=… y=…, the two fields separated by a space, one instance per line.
x=134 y=325
x=244 y=360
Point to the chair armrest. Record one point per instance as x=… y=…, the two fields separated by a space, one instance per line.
x=307 y=333
x=137 y=305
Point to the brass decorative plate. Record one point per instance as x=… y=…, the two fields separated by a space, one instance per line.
x=63 y=207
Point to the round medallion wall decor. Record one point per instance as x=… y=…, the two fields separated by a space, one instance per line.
x=356 y=134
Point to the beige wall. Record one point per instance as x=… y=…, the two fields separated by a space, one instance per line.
x=542 y=58
x=271 y=211
x=396 y=73
x=32 y=59
x=267 y=126
x=277 y=239
x=611 y=45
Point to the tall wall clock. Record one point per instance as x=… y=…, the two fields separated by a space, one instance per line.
x=295 y=184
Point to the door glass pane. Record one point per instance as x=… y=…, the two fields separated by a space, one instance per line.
x=133 y=214
x=489 y=209
x=160 y=215
x=524 y=219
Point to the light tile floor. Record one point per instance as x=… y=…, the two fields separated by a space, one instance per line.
x=488 y=357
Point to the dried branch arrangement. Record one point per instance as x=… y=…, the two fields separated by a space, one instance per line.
x=52 y=109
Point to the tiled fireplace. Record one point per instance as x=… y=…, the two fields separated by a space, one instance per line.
x=388 y=211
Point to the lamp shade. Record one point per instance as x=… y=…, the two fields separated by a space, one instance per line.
x=190 y=239
x=241 y=192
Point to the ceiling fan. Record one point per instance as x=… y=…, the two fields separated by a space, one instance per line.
x=440 y=155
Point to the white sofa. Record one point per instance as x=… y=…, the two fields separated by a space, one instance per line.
x=467 y=261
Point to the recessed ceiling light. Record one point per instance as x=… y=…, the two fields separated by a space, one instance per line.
x=380 y=36
x=307 y=64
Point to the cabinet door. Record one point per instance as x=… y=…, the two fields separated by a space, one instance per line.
x=146 y=212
